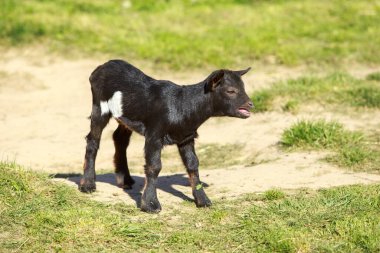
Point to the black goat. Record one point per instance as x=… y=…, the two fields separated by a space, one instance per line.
x=165 y=113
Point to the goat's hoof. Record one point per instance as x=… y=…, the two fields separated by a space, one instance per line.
x=201 y=199
x=128 y=182
x=126 y=186
x=124 y=182
x=87 y=187
x=151 y=207
x=203 y=203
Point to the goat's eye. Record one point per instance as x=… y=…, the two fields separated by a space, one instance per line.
x=231 y=91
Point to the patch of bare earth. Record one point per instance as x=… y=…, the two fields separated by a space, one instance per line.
x=45 y=101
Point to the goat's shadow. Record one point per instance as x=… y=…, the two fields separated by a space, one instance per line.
x=165 y=183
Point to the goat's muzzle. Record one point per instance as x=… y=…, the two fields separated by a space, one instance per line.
x=244 y=110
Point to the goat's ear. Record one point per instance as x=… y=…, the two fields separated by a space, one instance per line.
x=214 y=80
x=242 y=72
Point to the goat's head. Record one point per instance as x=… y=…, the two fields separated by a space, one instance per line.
x=228 y=93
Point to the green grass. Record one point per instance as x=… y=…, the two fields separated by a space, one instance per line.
x=351 y=148
x=333 y=89
x=219 y=156
x=375 y=76
x=319 y=134
x=273 y=194
x=38 y=216
x=194 y=34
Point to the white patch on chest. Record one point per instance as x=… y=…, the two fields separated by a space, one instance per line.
x=113 y=105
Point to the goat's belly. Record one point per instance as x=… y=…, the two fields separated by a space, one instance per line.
x=136 y=126
x=170 y=139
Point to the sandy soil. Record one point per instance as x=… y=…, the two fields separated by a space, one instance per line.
x=45 y=101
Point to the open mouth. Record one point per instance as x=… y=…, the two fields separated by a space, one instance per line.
x=244 y=112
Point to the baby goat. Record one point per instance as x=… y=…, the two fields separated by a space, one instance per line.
x=163 y=112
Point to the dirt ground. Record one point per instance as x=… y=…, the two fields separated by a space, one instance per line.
x=45 y=102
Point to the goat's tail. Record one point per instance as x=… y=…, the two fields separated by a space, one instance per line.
x=96 y=93
x=94 y=74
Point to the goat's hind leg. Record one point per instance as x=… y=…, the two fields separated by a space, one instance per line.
x=149 y=200
x=98 y=122
x=121 y=138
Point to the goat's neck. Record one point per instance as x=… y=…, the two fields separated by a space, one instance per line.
x=197 y=104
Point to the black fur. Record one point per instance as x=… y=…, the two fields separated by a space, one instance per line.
x=165 y=113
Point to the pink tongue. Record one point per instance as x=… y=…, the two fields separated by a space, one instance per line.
x=244 y=111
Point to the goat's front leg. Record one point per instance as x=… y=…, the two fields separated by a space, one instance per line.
x=149 y=200
x=190 y=160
